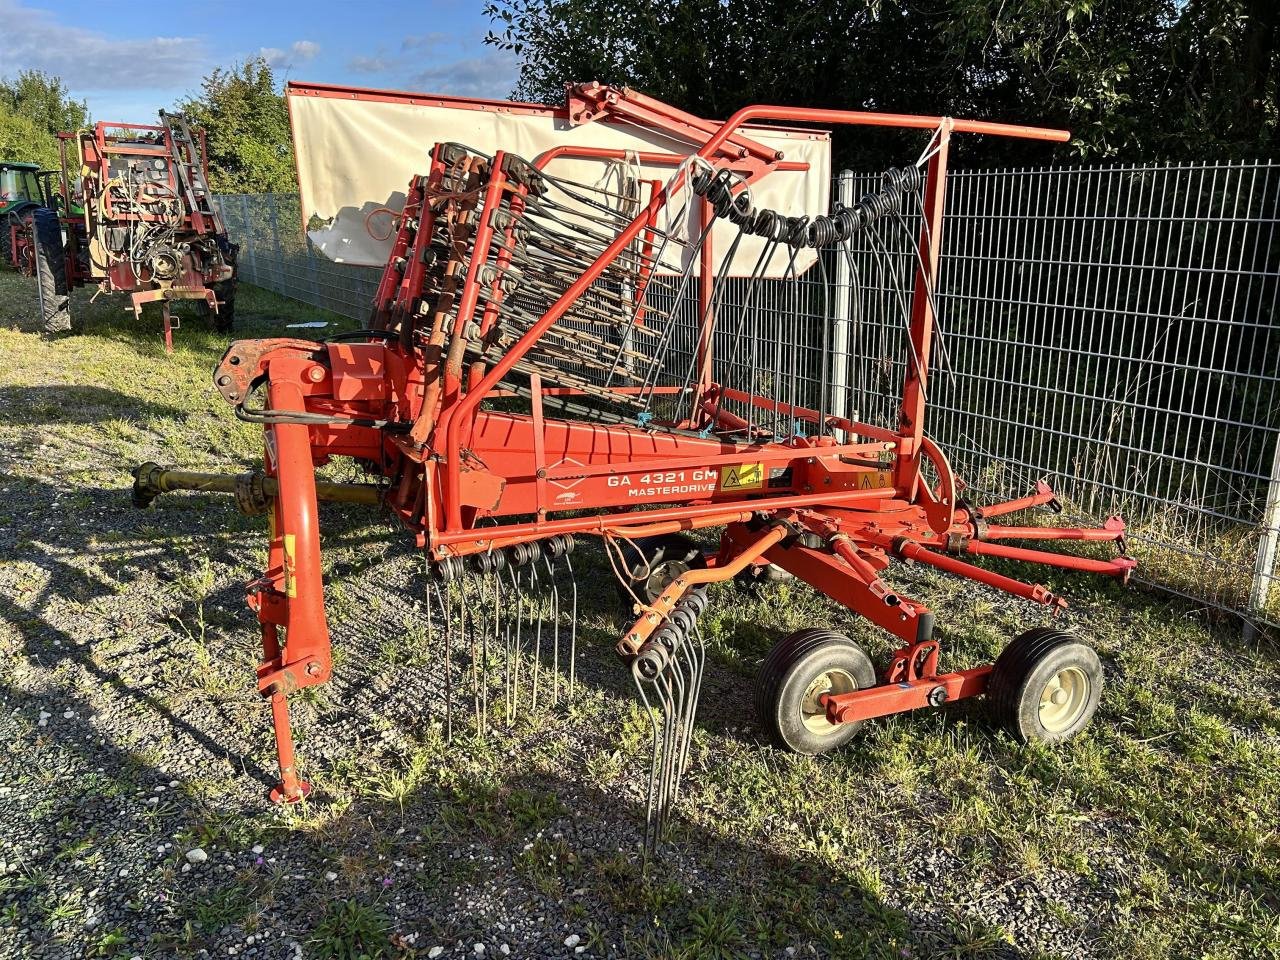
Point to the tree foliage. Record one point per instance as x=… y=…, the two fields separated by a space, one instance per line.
x=34 y=109
x=247 y=125
x=1131 y=78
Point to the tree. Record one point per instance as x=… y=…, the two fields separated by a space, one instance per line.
x=1132 y=79
x=247 y=126
x=34 y=108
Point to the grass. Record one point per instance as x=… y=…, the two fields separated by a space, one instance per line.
x=1155 y=835
x=350 y=930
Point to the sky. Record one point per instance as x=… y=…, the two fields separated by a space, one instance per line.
x=128 y=60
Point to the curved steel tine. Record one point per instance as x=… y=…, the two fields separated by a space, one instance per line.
x=508 y=635
x=518 y=657
x=495 y=624
x=671 y=722
x=695 y=648
x=448 y=664
x=679 y=665
x=468 y=624
x=536 y=591
x=573 y=624
x=555 y=626
x=434 y=594
x=650 y=828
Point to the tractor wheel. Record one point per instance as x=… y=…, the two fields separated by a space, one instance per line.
x=225 y=318
x=654 y=562
x=50 y=271
x=1045 y=685
x=5 y=247
x=792 y=679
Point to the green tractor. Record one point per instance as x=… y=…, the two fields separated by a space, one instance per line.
x=20 y=190
x=31 y=239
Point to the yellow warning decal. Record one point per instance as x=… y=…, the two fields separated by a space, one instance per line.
x=875 y=480
x=290 y=555
x=745 y=476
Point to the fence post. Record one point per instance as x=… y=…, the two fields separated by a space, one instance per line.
x=841 y=361
x=313 y=270
x=1264 y=567
x=252 y=261
x=276 y=249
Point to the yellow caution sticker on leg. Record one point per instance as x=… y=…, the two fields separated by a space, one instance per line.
x=290 y=555
x=745 y=476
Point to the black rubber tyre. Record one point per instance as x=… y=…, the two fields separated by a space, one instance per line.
x=664 y=559
x=225 y=319
x=788 y=684
x=1045 y=685
x=5 y=246
x=51 y=272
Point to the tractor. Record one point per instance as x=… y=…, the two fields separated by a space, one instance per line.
x=129 y=211
x=31 y=239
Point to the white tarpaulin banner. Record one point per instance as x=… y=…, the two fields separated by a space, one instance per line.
x=357 y=150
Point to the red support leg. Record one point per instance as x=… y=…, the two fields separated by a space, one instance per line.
x=168 y=328
x=290 y=788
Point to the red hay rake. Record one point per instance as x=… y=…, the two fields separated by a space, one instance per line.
x=536 y=370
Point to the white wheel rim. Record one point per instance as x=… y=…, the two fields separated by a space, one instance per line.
x=812 y=713
x=1064 y=699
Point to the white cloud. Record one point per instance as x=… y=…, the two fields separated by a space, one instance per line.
x=491 y=75
x=86 y=59
x=379 y=64
x=299 y=52
x=426 y=41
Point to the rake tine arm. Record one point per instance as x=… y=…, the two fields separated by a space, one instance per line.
x=1119 y=567
x=1113 y=529
x=1043 y=496
x=911 y=550
x=651 y=619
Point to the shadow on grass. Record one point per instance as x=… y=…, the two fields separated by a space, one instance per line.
x=423 y=839
x=259 y=312
x=67 y=404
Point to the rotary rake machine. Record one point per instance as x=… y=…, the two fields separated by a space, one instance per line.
x=549 y=359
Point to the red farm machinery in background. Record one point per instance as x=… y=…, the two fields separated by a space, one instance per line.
x=550 y=359
x=130 y=211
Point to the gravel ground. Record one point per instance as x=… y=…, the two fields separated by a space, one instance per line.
x=133 y=818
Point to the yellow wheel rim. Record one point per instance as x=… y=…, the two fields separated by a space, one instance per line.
x=1064 y=699
x=812 y=713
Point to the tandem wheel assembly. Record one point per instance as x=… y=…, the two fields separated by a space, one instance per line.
x=1044 y=687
